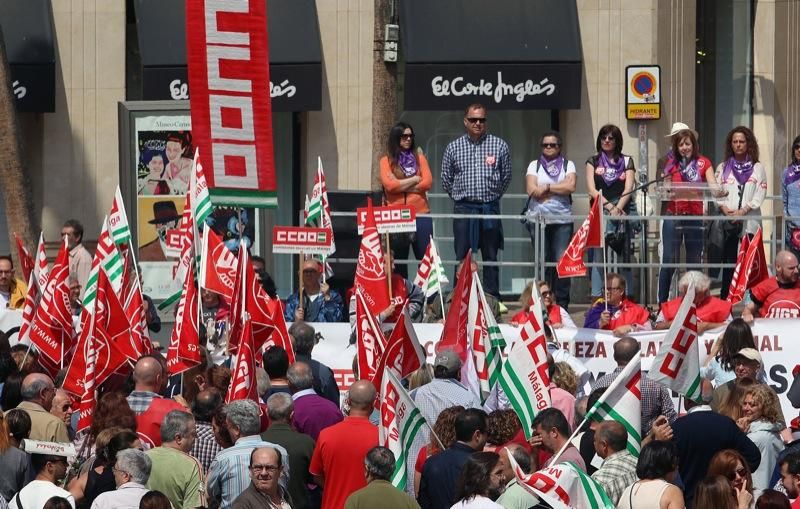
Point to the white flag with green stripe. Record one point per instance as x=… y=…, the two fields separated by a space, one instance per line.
x=677 y=364
x=201 y=200
x=318 y=210
x=107 y=257
x=622 y=402
x=524 y=377
x=118 y=220
x=400 y=424
x=430 y=274
x=563 y=486
x=486 y=340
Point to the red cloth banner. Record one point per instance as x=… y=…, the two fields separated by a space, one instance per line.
x=228 y=59
x=588 y=235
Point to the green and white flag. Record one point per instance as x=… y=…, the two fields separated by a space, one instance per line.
x=524 y=377
x=430 y=274
x=622 y=402
x=107 y=257
x=118 y=221
x=677 y=364
x=486 y=340
x=563 y=486
x=201 y=200
x=400 y=424
x=318 y=209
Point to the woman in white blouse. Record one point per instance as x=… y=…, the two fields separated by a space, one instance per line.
x=745 y=181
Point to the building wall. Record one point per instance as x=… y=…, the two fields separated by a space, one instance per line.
x=342 y=132
x=72 y=154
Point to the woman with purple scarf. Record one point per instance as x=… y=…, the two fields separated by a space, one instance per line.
x=406 y=179
x=550 y=182
x=613 y=174
x=685 y=167
x=745 y=181
x=790 y=191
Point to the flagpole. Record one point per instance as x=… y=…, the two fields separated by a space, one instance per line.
x=603 y=245
x=554 y=459
x=388 y=265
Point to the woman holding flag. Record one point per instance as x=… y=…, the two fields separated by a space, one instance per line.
x=611 y=173
x=745 y=181
x=406 y=179
x=685 y=168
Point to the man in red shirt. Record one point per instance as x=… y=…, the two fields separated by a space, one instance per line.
x=622 y=315
x=778 y=296
x=712 y=312
x=338 y=461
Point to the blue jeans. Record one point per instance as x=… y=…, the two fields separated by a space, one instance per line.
x=485 y=234
x=557 y=237
x=418 y=241
x=673 y=233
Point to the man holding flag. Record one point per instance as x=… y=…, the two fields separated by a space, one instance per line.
x=320 y=302
x=778 y=296
x=617 y=313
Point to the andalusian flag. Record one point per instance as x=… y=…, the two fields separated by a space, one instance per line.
x=400 y=424
x=118 y=221
x=106 y=255
x=318 y=209
x=201 y=201
x=677 y=364
x=430 y=274
x=486 y=340
x=524 y=377
x=622 y=402
x=563 y=486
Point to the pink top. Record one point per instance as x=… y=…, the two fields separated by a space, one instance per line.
x=565 y=402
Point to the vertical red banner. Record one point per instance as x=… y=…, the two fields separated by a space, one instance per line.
x=228 y=59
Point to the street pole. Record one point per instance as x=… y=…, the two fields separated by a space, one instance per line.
x=643 y=178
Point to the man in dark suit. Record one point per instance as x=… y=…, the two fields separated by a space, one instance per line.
x=699 y=435
x=441 y=471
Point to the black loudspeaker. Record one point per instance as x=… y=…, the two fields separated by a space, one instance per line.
x=345 y=234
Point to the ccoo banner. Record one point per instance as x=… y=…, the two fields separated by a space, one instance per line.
x=227 y=54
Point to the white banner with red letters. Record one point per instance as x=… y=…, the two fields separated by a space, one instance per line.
x=776 y=340
x=228 y=59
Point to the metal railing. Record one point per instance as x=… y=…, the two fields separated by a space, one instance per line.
x=644 y=248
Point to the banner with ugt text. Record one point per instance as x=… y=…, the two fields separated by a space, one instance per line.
x=227 y=54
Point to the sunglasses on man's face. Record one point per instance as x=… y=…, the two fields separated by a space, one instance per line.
x=476 y=120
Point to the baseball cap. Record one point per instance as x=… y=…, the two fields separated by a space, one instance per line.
x=447 y=358
x=750 y=353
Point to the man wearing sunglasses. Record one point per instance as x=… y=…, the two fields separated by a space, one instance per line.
x=476 y=171
x=50 y=471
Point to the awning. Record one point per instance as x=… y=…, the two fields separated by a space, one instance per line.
x=507 y=54
x=294 y=46
x=28 y=35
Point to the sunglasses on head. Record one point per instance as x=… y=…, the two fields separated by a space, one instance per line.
x=476 y=120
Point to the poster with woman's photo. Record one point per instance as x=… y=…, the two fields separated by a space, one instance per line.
x=163 y=169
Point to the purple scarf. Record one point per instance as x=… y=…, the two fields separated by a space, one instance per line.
x=670 y=163
x=407 y=162
x=689 y=171
x=613 y=171
x=741 y=171
x=554 y=167
x=791 y=174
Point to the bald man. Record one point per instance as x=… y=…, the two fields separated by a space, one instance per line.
x=38 y=393
x=150 y=379
x=778 y=296
x=515 y=496
x=618 y=470
x=338 y=460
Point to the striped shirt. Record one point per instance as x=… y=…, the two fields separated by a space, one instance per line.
x=229 y=474
x=477 y=171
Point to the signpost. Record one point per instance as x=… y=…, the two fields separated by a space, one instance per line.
x=389 y=219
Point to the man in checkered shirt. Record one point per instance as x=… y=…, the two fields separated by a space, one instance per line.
x=476 y=171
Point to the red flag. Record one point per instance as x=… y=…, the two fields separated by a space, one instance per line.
x=243 y=379
x=88 y=398
x=371 y=269
x=253 y=304
x=403 y=353
x=25 y=258
x=104 y=338
x=137 y=317
x=370 y=341
x=280 y=333
x=751 y=267
x=454 y=333
x=218 y=266
x=29 y=309
x=588 y=235
x=184 y=343
x=51 y=327
x=40 y=270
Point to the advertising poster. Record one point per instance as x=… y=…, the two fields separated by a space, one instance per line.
x=163 y=162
